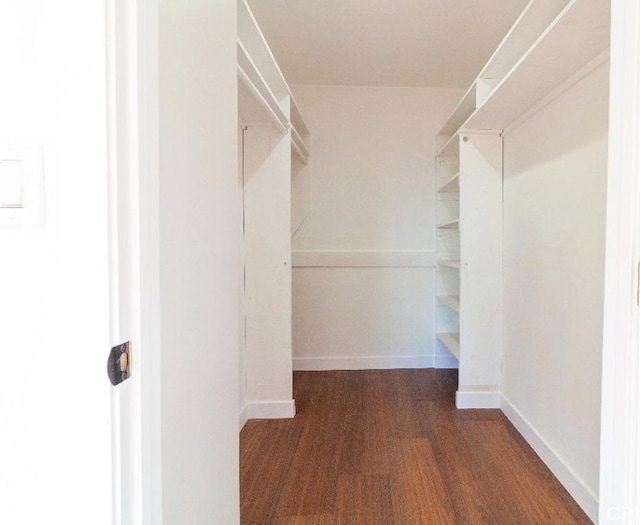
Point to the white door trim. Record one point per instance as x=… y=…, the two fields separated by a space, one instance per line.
x=619 y=459
x=132 y=44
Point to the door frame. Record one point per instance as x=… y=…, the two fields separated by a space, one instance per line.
x=133 y=106
x=132 y=57
x=620 y=439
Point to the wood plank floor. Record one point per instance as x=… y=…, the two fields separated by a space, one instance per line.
x=389 y=447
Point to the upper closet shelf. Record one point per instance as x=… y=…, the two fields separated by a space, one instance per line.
x=451 y=186
x=532 y=22
x=551 y=41
x=465 y=107
x=257 y=87
x=578 y=35
x=450 y=148
x=261 y=77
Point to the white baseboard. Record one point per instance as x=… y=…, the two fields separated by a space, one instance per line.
x=267 y=410
x=359 y=259
x=478 y=399
x=243 y=417
x=574 y=485
x=362 y=363
x=445 y=361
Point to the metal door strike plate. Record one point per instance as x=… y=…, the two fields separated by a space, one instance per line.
x=119 y=363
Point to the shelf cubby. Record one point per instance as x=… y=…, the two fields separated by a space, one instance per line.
x=451 y=185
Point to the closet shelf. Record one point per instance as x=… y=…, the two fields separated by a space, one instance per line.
x=259 y=72
x=451 y=186
x=452 y=341
x=531 y=23
x=450 y=147
x=451 y=225
x=249 y=75
x=449 y=264
x=578 y=35
x=459 y=115
x=451 y=301
x=549 y=43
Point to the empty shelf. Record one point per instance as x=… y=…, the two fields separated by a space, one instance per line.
x=451 y=186
x=452 y=341
x=451 y=225
x=451 y=301
x=450 y=264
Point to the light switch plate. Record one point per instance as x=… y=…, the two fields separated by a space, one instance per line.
x=21 y=185
x=11 y=180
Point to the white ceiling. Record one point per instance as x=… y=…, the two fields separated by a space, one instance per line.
x=426 y=43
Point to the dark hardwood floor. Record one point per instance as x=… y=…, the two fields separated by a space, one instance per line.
x=389 y=447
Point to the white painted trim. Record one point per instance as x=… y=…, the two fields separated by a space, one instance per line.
x=363 y=362
x=243 y=417
x=620 y=420
x=364 y=259
x=132 y=47
x=445 y=361
x=111 y=41
x=560 y=469
x=267 y=410
x=478 y=399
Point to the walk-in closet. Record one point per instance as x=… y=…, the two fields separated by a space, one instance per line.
x=404 y=224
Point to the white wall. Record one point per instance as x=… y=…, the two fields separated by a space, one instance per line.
x=554 y=222
x=363 y=280
x=55 y=462
x=200 y=218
